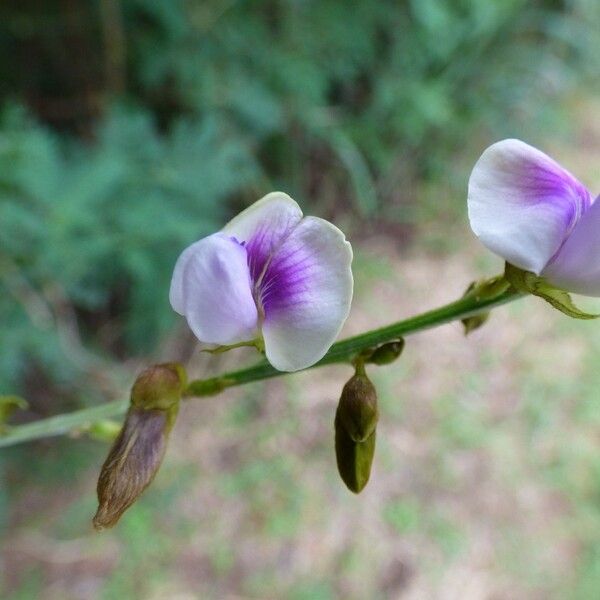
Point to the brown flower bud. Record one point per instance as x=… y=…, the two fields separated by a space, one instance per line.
x=137 y=453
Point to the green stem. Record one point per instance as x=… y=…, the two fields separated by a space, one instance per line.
x=341 y=352
x=60 y=424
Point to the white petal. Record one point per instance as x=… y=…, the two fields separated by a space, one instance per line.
x=306 y=294
x=576 y=267
x=263 y=226
x=212 y=288
x=176 y=296
x=522 y=204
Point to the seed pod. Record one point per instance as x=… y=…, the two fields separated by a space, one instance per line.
x=357 y=410
x=354 y=459
x=137 y=453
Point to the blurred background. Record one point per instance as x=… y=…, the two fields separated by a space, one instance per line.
x=131 y=128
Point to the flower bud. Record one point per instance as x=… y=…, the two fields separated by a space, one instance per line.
x=480 y=290
x=159 y=387
x=354 y=459
x=387 y=353
x=355 y=422
x=357 y=410
x=137 y=453
x=474 y=322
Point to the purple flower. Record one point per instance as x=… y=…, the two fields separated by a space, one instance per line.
x=533 y=213
x=269 y=272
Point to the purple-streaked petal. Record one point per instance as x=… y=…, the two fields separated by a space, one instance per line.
x=305 y=294
x=522 y=204
x=212 y=288
x=263 y=226
x=576 y=267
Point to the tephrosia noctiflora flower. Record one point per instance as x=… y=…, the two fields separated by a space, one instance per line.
x=269 y=272
x=533 y=213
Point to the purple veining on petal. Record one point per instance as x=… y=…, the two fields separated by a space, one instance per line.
x=259 y=248
x=286 y=281
x=550 y=183
x=262 y=243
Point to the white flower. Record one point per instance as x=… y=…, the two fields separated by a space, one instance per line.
x=269 y=272
x=533 y=213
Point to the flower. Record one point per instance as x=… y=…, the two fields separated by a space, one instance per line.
x=533 y=213
x=269 y=272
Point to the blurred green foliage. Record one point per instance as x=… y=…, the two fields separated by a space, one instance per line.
x=130 y=128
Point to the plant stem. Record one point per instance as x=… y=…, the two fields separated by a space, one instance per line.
x=341 y=352
x=60 y=424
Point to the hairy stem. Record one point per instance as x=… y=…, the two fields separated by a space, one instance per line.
x=341 y=352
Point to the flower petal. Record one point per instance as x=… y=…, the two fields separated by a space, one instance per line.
x=576 y=267
x=306 y=294
x=522 y=204
x=263 y=226
x=211 y=287
x=176 y=295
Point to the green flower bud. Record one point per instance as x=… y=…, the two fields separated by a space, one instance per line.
x=355 y=422
x=387 y=353
x=159 y=387
x=475 y=322
x=481 y=290
x=357 y=410
x=354 y=459
x=137 y=453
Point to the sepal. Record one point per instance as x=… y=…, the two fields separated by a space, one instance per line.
x=527 y=282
